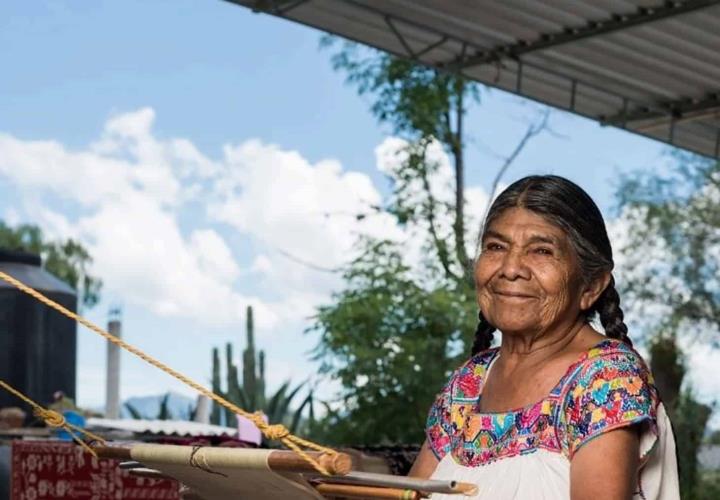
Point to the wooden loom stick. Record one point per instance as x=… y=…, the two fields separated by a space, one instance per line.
x=278 y=460
x=113 y=452
x=281 y=460
x=353 y=491
x=401 y=482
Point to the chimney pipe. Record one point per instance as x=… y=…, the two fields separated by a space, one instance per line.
x=112 y=381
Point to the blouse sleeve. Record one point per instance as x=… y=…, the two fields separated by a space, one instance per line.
x=611 y=391
x=438 y=428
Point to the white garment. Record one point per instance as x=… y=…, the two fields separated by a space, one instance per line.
x=545 y=475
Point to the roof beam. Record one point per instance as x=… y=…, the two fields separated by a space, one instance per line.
x=676 y=111
x=277 y=7
x=616 y=22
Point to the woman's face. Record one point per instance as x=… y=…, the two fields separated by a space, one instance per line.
x=527 y=276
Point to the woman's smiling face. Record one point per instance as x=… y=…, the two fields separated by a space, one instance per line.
x=527 y=275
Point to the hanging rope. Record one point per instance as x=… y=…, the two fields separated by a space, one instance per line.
x=274 y=432
x=57 y=420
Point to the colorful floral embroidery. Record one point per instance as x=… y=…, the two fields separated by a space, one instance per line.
x=610 y=390
x=608 y=387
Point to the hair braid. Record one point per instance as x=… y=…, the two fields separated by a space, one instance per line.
x=483 y=335
x=611 y=315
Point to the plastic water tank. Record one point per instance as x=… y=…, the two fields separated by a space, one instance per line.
x=37 y=344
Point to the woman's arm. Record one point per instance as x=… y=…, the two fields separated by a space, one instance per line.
x=605 y=468
x=425 y=463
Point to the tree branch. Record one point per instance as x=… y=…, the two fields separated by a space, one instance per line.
x=533 y=130
x=438 y=242
x=457 y=150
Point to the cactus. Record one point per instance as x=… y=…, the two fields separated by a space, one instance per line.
x=215 y=413
x=261 y=381
x=250 y=382
x=251 y=395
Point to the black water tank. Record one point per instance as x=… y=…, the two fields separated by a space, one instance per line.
x=37 y=344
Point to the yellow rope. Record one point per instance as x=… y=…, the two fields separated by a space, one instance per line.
x=55 y=419
x=274 y=432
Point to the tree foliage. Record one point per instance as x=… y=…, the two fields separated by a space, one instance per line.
x=68 y=260
x=391 y=344
x=672 y=253
x=421 y=105
x=676 y=215
x=398 y=327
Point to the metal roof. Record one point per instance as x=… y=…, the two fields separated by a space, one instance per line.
x=163 y=427
x=650 y=67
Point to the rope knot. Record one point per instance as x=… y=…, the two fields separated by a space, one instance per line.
x=51 y=417
x=276 y=432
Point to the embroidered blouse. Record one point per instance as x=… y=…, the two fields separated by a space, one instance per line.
x=608 y=387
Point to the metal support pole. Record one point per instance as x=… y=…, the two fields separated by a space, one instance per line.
x=518 y=82
x=112 y=382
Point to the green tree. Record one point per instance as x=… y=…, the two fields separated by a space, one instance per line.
x=397 y=329
x=68 y=260
x=392 y=344
x=671 y=223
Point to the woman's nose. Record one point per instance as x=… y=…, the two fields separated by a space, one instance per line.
x=514 y=266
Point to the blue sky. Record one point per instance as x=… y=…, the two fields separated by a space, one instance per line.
x=213 y=137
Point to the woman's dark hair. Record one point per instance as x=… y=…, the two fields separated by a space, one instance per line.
x=567 y=206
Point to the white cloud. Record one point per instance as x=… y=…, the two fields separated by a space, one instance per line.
x=297 y=212
x=213 y=255
x=126 y=193
x=47 y=167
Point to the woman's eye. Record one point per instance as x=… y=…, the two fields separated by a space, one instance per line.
x=493 y=247
x=543 y=251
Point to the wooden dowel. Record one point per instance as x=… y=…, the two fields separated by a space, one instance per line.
x=351 y=491
x=426 y=486
x=289 y=461
x=113 y=452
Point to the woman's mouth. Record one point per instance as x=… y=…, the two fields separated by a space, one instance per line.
x=510 y=294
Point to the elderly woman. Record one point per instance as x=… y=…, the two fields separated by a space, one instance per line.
x=558 y=410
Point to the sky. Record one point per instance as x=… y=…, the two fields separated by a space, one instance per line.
x=193 y=145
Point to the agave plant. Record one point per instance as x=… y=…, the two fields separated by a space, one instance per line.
x=164 y=412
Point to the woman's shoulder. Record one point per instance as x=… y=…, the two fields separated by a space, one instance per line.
x=611 y=373
x=610 y=388
x=612 y=358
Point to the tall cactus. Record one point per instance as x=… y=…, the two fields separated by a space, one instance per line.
x=215 y=414
x=234 y=392
x=250 y=382
x=261 y=381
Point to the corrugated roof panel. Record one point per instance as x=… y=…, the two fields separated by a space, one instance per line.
x=167 y=427
x=605 y=59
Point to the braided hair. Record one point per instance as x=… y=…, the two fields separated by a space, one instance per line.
x=566 y=205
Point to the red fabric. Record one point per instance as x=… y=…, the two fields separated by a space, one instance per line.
x=50 y=469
